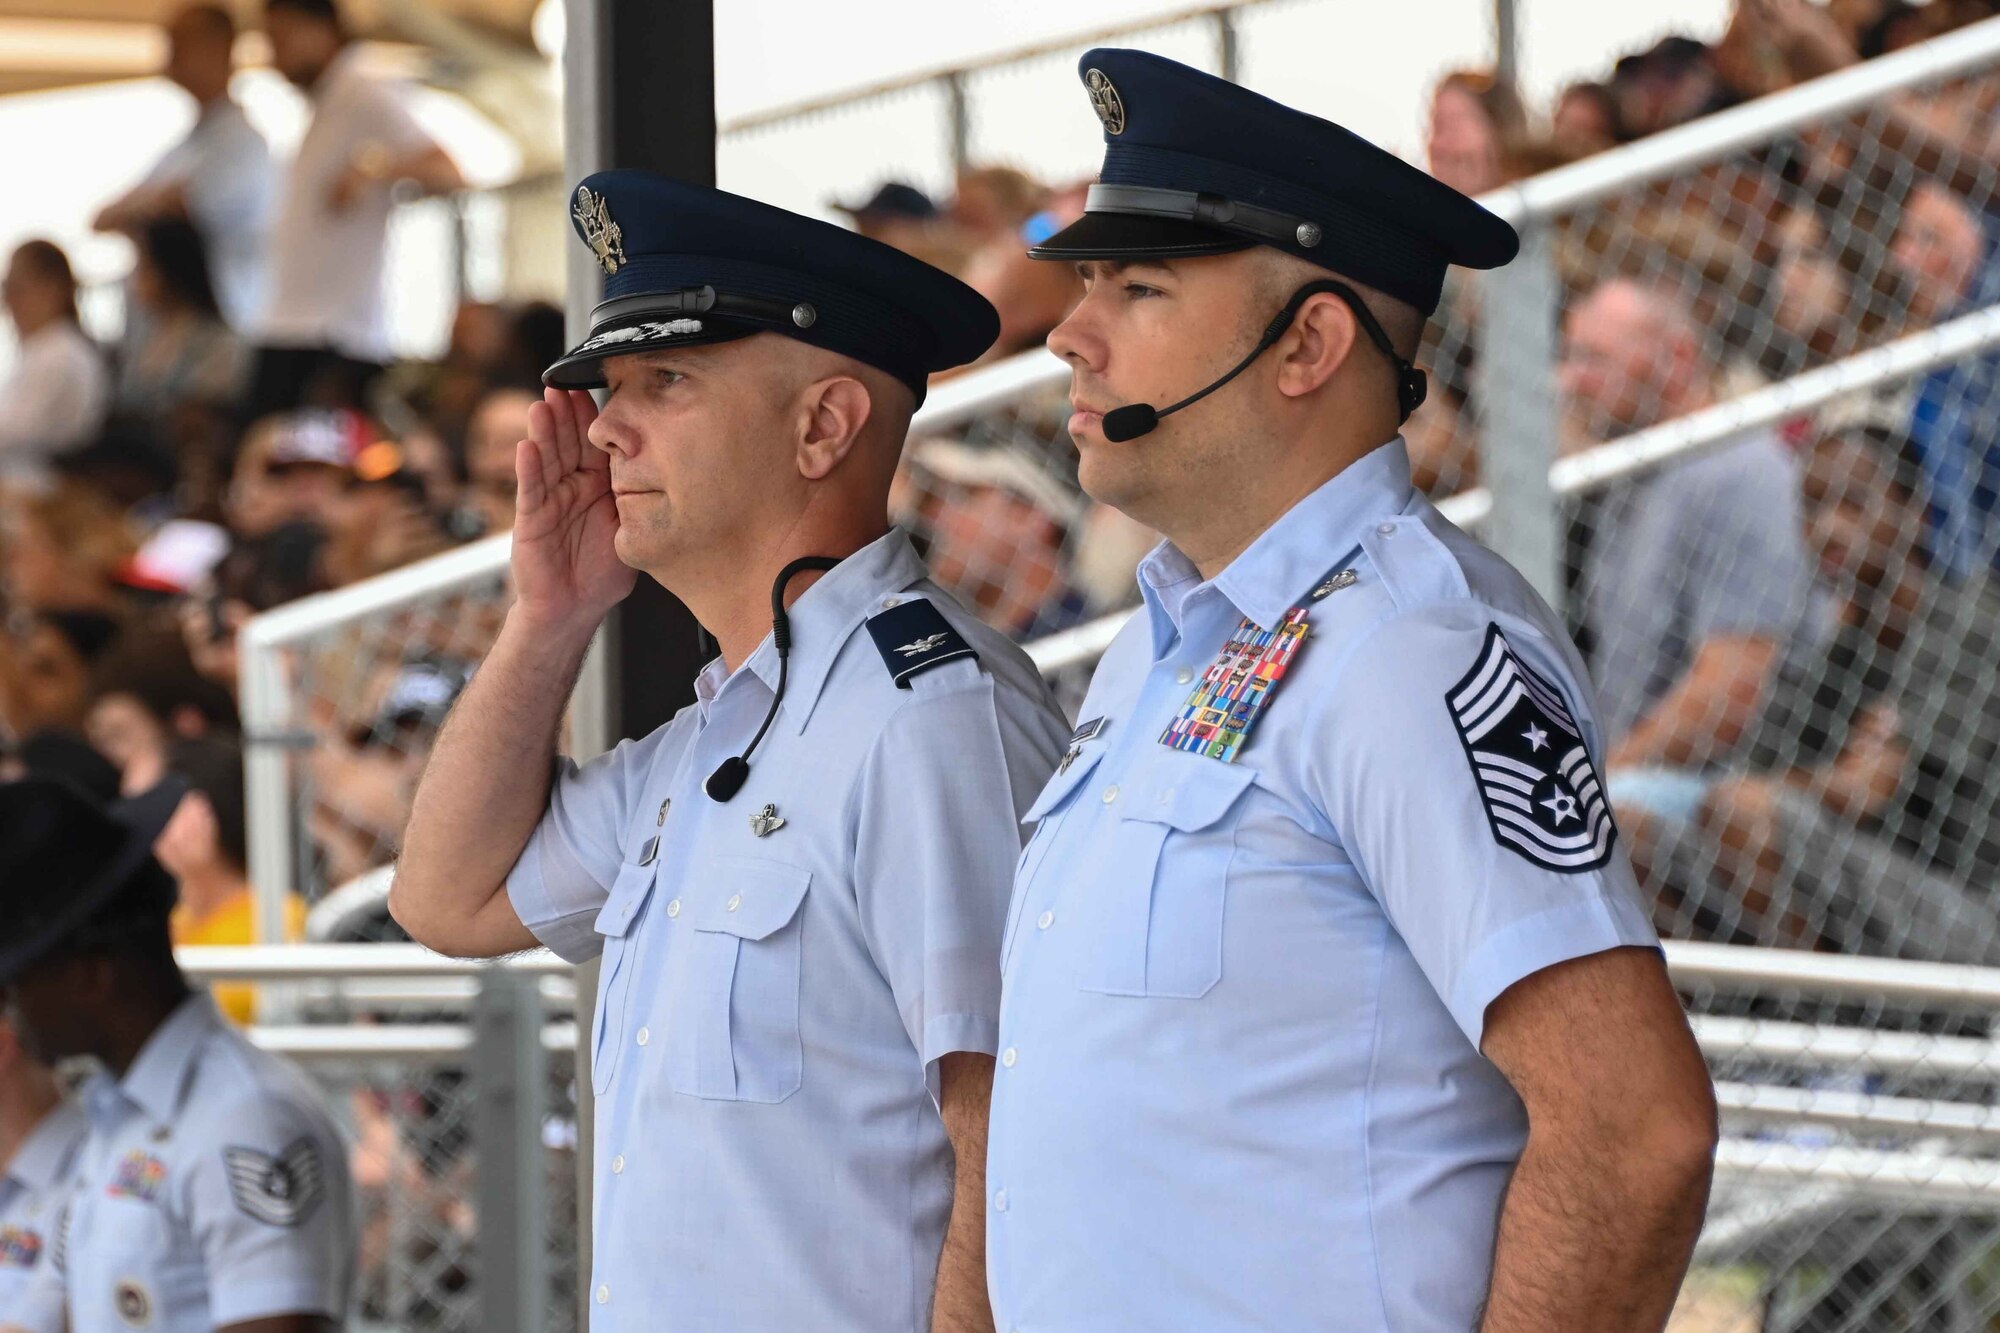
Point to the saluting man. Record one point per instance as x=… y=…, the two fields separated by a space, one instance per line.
x=211 y=1193
x=1328 y=1000
x=797 y=885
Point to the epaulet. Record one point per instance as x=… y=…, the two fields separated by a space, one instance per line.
x=1412 y=563
x=913 y=637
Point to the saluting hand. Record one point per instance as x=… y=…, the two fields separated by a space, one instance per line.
x=566 y=565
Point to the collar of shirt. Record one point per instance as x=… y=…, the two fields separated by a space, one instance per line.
x=44 y=1155
x=823 y=619
x=159 y=1075
x=1276 y=571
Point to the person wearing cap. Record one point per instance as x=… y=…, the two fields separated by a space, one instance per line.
x=797 y=885
x=1329 y=1002
x=40 y=1131
x=212 y=1192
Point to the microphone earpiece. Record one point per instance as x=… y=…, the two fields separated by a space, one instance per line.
x=1129 y=422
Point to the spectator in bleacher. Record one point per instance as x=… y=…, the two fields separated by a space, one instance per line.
x=40 y=1132
x=1586 y=119
x=1690 y=578
x=1770 y=45
x=1475 y=119
x=183 y=352
x=1942 y=253
x=998 y=522
x=992 y=203
x=1031 y=297
x=219 y=178
x=45 y=664
x=498 y=423
x=1861 y=815
x=325 y=334
x=55 y=399
x=205 y=846
x=62 y=552
x=147 y=695
x=893 y=214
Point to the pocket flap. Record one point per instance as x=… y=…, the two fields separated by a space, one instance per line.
x=628 y=898
x=1061 y=784
x=751 y=899
x=1183 y=791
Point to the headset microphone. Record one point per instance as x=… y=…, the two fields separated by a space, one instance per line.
x=730 y=775
x=1135 y=419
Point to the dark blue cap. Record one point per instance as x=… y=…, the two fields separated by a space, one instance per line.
x=685 y=264
x=1195 y=165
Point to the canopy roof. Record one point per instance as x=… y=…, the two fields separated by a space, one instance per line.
x=62 y=43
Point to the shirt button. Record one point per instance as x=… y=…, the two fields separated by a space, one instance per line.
x=674 y=907
x=1008 y=1057
x=618 y=1165
x=735 y=901
x=1000 y=1202
x=1386 y=529
x=1184 y=675
x=645 y=1035
x=603 y=1295
x=891 y=603
x=1045 y=920
x=1111 y=793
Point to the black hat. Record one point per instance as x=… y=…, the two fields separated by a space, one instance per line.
x=685 y=264
x=67 y=865
x=1195 y=165
x=894 y=199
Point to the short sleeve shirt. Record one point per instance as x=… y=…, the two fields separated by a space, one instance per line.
x=213 y=1189
x=224 y=168
x=326 y=280
x=782 y=971
x=1709 y=546
x=1240 y=1083
x=34 y=1189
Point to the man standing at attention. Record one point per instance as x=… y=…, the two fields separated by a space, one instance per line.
x=1328 y=1000
x=797 y=885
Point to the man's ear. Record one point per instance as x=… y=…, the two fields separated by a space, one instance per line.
x=834 y=412
x=1318 y=344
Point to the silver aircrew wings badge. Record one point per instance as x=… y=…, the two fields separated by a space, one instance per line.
x=1105 y=101
x=1534 y=773
x=600 y=233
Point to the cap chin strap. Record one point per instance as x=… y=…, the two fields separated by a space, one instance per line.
x=787 y=315
x=1210 y=210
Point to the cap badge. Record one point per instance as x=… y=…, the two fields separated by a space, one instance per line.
x=1105 y=101
x=600 y=233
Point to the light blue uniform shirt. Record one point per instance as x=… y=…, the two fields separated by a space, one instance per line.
x=773 y=1000
x=1240 y=1083
x=213 y=1189
x=34 y=1186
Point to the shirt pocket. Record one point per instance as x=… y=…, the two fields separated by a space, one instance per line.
x=1056 y=795
x=616 y=922
x=1153 y=914
x=740 y=1040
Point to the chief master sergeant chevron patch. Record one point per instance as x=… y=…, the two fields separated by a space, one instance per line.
x=1535 y=776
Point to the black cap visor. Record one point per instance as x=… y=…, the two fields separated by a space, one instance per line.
x=1136 y=236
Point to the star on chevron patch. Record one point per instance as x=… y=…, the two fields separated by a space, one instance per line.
x=1535 y=776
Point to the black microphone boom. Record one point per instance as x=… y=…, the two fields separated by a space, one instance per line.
x=1135 y=419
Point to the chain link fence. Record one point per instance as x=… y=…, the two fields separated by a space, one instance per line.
x=1736 y=411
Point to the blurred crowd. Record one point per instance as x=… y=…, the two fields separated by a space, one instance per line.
x=1752 y=621
x=1792 y=631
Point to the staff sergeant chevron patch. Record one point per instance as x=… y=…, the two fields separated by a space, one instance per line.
x=1535 y=777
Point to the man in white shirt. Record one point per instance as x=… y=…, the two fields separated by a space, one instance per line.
x=54 y=400
x=40 y=1131
x=325 y=326
x=220 y=177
